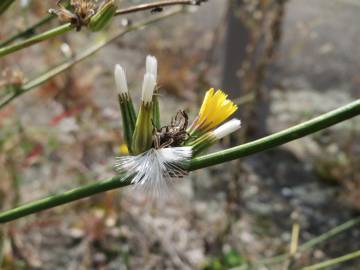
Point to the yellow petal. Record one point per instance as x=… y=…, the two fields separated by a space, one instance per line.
x=215 y=109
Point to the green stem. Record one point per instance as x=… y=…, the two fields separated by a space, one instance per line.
x=293 y=133
x=4 y=5
x=282 y=137
x=313 y=242
x=78 y=58
x=36 y=39
x=67 y=27
x=334 y=231
x=27 y=32
x=335 y=261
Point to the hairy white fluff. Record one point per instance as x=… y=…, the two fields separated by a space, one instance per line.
x=227 y=128
x=120 y=80
x=152 y=66
x=154 y=169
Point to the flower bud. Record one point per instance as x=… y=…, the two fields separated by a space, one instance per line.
x=126 y=105
x=103 y=16
x=120 y=80
x=143 y=133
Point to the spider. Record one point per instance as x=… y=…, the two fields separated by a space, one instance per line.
x=83 y=10
x=174 y=134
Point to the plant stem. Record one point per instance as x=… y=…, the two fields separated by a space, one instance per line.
x=36 y=39
x=4 y=5
x=67 y=27
x=78 y=58
x=313 y=242
x=27 y=32
x=282 y=137
x=158 y=4
x=334 y=261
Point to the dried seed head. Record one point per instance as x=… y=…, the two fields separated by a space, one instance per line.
x=65 y=15
x=81 y=12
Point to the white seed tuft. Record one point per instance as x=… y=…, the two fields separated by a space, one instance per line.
x=120 y=80
x=154 y=169
x=227 y=128
x=152 y=66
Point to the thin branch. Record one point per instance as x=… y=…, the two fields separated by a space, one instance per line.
x=334 y=261
x=293 y=133
x=5 y=4
x=36 y=39
x=27 y=32
x=321 y=122
x=31 y=30
x=313 y=242
x=67 y=27
x=158 y=4
x=78 y=58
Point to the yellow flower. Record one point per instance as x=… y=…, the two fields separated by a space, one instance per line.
x=215 y=109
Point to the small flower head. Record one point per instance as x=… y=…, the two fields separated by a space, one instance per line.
x=120 y=80
x=211 y=137
x=126 y=105
x=143 y=134
x=150 y=78
x=215 y=109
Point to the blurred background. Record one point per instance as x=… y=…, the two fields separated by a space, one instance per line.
x=282 y=61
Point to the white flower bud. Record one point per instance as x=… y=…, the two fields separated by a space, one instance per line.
x=120 y=80
x=151 y=66
x=227 y=128
x=148 y=88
